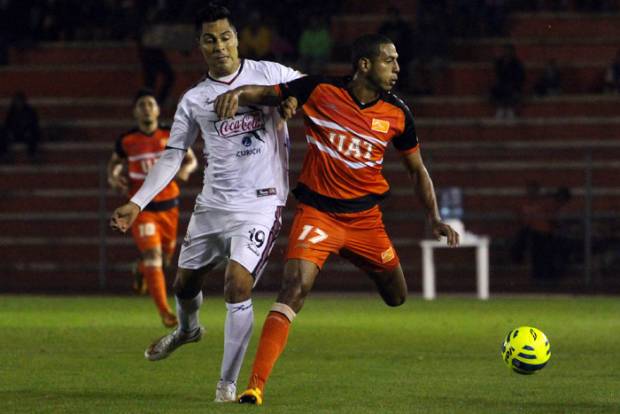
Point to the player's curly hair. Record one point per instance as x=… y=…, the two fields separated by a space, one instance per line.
x=367 y=46
x=211 y=13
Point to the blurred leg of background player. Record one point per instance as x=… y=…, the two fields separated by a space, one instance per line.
x=151 y=231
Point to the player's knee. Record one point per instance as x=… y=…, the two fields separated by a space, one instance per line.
x=237 y=289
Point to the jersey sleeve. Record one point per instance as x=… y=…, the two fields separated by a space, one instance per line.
x=277 y=73
x=159 y=176
x=299 y=88
x=118 y=147
x=407 y=142
x=184 y=127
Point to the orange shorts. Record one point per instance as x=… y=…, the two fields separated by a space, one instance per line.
x=156 y=228
x=359 y=237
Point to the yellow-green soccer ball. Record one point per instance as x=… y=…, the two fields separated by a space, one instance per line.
x=526 y=350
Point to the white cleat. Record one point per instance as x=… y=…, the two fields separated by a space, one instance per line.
x=165 y=345
x=226 y=392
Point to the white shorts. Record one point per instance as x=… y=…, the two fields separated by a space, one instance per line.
x=216 y=235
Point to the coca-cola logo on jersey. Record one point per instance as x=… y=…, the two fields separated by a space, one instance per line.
x=240 y=124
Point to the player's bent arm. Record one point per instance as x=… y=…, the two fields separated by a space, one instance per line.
x=188 y=166
x=115 y=171
x=423 y=184
x=426 y=193
x=159 y=176
x=226 y=104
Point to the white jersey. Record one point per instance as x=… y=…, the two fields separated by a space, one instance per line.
x=246 y=157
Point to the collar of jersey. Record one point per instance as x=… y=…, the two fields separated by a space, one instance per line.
x=357 y=102
x=234 y=75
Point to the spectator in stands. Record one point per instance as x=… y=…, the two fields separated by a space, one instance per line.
x=399 y=31
x=550 y=81
x=21 y=124
x=431 y=51
x=282 y=47
x=612 y=75
x=509 y=78
x=154 y=60
x=495 y=17
x=315 y=45
x=255 y=39
x=529 y=214
x=540 y=233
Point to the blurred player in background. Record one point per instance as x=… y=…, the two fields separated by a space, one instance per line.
x=155 y=228
x=349 y=123
x=238 y=214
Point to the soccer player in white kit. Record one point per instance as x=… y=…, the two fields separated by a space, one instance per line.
x=238 y=214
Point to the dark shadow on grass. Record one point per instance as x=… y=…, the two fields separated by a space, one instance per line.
x=102 y=395
x=520 y=405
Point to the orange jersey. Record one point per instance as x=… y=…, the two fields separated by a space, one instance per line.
x=342 y=169
x=142 y=151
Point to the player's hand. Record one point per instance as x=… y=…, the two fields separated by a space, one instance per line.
x=288 y=107
x=227 y=104
x=124 y=216
x=442 y=229
x=119 y=183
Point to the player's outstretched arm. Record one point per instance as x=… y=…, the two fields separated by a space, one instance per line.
x=426 y=193
x=227 y=104
x=124 y=216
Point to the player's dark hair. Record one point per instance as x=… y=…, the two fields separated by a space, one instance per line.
x=211 y=13
x=367 y=46
x=142 y=93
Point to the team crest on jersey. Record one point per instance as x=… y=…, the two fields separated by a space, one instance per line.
x=380 y=125
x=240 y=124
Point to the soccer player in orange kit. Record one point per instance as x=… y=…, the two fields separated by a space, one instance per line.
x=349 y=123
x=155 y=229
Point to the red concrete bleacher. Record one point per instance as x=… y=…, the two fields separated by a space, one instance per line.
x=50 y=217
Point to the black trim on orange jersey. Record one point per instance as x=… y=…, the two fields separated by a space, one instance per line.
x=361 y=105
x=162 y=205
x=302 y=88
x=408 y=138
x=233 y=79
x=118 y=146
x=336 y=205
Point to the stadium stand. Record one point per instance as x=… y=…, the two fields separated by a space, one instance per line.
x=54 y=214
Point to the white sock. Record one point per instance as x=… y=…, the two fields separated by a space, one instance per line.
x=237 y=334
x=187 y=312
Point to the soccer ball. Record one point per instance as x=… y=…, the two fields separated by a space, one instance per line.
x=526 y=350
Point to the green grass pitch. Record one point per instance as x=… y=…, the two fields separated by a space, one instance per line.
x=346 y=354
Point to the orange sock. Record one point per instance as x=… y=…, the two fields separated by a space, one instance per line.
x=156 y=282
x=271 y=344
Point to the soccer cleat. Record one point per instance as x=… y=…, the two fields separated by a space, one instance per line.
x=166 y=345
x=251 y=396
x=169 y=320
x=225 y=392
